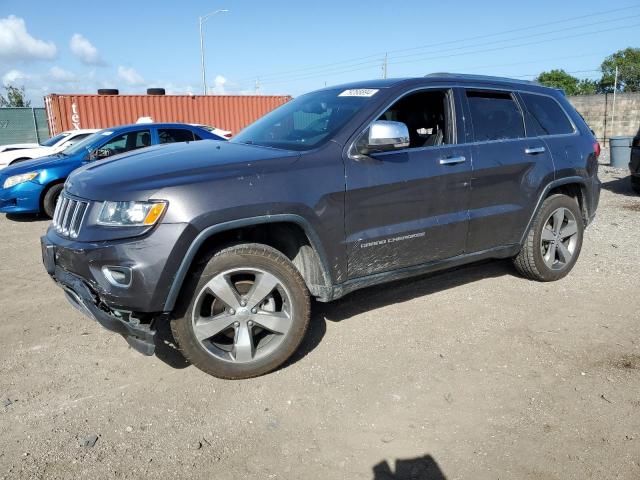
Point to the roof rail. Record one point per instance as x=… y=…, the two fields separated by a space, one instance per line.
x=467 y=76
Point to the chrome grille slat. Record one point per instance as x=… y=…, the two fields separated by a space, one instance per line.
x=68 y=216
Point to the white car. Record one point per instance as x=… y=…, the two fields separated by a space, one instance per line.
x=17 y=152
x=216 y=131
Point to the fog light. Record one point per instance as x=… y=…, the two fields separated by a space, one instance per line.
x=117 y=276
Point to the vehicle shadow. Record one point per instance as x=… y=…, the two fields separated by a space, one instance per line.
x=421 y=468
x=166 y=346
x=353 y=304
x=620 y=186
x=27 y=217
x=391 y=293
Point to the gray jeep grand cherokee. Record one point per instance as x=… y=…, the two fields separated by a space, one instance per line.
x=337 y=190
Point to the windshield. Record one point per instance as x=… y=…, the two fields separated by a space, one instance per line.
x=53 y=140
x=307 y=121
x=87 y=144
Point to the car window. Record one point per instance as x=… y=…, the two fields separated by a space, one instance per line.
x=173 y=135
x=124 y=143
x=427 y=117
x=495 y=116
x=55 y=139
x=548 y=116
x=76 y=138
x=307 y=121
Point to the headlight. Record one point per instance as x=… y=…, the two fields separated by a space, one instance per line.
x=18 y=179
x=130 y=214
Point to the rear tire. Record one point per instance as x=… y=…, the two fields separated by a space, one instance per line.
x=635 y=184
x=554 y=241
x=51 y=199
x=246 y=311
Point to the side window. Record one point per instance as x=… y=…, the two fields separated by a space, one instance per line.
x=124 y=143
x=495 y=116
x=173 y=135
x=548 y=117
x=427 y=116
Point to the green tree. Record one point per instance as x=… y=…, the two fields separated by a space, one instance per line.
x=587 y=87
x=14 y=97
x=559 y=79
x=628 y=63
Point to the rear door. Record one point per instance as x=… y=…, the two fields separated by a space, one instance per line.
x=409 y=207
x=508 y=169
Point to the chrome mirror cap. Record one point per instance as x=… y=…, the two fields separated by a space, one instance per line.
x=385 y=135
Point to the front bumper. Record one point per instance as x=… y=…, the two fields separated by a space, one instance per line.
x=80 y=296
x=153 y=260
x=77 y=267
x=22 y=198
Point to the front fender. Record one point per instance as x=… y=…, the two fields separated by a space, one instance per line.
x=208 y=232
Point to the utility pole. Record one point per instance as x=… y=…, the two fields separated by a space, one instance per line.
x=201 y=21
x=613 y=116
x=384 y=66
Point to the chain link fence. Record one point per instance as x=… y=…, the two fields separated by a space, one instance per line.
x=23 y=125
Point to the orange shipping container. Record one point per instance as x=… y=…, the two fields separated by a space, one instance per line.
x=227 y=112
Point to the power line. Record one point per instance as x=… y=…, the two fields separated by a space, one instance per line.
x=430 y=56
x=359 y=68
x=374 y=58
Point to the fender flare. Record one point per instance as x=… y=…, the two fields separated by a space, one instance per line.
x=205 y=234
x=551 y=185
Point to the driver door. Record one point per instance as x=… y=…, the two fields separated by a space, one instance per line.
x=409 y=207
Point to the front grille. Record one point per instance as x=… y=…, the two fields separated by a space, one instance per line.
x=67 y=219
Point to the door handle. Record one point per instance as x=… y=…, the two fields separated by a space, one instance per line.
x=534 y=150
x=452 y=160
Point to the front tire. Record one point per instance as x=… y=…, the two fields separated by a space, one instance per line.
x=246 y=310
x=51 y=199
x=554 y=241
x=635 y=184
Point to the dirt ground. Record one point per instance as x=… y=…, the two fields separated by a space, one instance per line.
x=473 y=373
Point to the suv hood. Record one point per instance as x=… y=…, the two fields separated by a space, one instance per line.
x=138 y=175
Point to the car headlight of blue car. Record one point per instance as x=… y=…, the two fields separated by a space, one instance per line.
x=18 y=179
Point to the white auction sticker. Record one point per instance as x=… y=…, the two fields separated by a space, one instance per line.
x=107 y=133
x=359 y=92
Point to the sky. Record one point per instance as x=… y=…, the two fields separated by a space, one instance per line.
x=286 y=47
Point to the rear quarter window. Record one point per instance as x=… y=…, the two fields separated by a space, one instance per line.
x=547 y=115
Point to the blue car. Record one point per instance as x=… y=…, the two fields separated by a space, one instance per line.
x=33 y=186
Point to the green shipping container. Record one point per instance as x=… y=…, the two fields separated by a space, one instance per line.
x=23 y=125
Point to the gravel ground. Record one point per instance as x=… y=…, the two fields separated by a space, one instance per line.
x=474 y=373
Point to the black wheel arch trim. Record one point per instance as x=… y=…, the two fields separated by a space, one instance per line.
x=551 y=185
x=205 y=234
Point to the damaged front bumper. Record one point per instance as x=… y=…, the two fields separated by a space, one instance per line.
x=139 y=336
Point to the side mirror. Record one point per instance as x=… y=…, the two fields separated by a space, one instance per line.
x=384 y=136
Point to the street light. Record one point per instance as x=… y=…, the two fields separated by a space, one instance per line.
x=203 y=19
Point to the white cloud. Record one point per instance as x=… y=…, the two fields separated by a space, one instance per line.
x=16 y=44
x=219 y=85
x=130 y=76
x=14 y=76
x=61 y=75
x=85 y=51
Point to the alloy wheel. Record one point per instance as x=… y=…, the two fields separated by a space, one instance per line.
x=242 y=315
x=559 y=239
